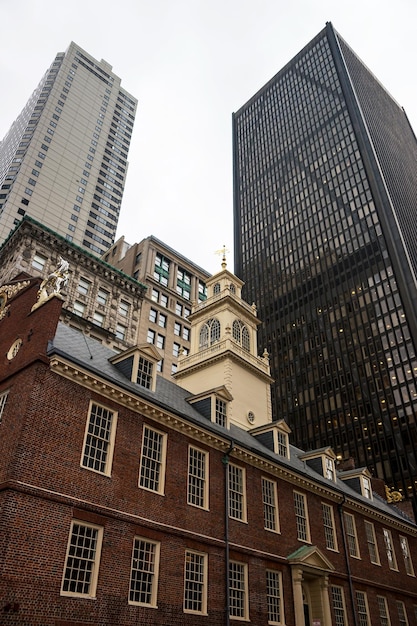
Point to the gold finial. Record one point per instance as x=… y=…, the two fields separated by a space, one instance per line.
x=223 y=253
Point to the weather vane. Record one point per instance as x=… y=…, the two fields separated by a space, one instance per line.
x=223 y=253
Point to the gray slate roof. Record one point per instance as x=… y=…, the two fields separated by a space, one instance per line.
x=93 y=356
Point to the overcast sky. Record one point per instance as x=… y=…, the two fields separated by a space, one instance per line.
x=191 y=63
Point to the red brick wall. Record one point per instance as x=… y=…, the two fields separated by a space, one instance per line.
x=41 y=444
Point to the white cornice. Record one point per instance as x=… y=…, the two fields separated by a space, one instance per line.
x=145 y=407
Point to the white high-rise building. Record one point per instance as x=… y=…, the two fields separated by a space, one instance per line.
x=64 y=159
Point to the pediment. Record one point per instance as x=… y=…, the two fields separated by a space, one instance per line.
x=310 y=557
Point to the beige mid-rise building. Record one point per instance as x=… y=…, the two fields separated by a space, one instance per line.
x=64 y=159
x=175 y=285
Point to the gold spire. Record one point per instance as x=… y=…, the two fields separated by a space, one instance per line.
x=223 y=253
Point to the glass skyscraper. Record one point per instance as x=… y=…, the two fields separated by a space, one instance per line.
x=64 y=159
x=325 y=207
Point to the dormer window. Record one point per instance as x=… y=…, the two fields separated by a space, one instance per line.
x=145 y=370
x=221 y=412
x=209 y=333
x=282 y=444
x=241 y=334
x=213 y=405
x=366 y=488
x=216 y=289
x=321 y=461
x=329 y=468
x=274 y=436
x=139 y=365
x=359 y=480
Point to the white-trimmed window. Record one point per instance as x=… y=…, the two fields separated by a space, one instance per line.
x=241 y=334
x=372 y=544
x=152 y=464
x=145 y=373
x=366 y=487
x=351 y=535
x=301 y=517
x=98 y=318
x=274 y=597
x=238 y=590
x=392 y=559
x=102 y=296
x=143 y=587
x=79 y=308
x=406 y=555
x=82 y=560
x=209 y=333
x=329 y=526
x=161 y=270
x=339 y=609
x=269 y=499
x=384 y=618
x=3 y=398
x=237 y=493
x=329 y=468
x=282 y=439
x=99 y=439
x=83 y=286
x=402 y=613
x=195 y=582
x=363 y=610
x=39 y=262
x=120 y=332
x=220 y=416
x=197 y=489
x=124 y=308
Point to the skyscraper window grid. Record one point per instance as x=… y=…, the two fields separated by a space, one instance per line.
x=312 y=243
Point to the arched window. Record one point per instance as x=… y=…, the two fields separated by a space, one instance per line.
x=245 y=339
x=209 y=333
x=216 y=289
x=232 y=288
x=241 y=334
x=204 y=336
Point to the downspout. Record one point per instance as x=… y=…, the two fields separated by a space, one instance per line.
x=349 y=573
x=225 y=461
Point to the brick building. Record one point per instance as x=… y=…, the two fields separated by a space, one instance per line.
x=129 y=499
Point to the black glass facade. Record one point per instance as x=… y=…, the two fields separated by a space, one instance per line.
x=326 y=242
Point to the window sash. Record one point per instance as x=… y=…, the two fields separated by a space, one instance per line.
x=351 y=535
x=383 y=611
x=338 y=606
x=274 y=597
x=144 y=572
x=269 y=498
x=300 y=507
x=362 y=605
x=372 y=545
x=238 y=590
x=82 y=559
x=236 y=493
x=408 y=564
x=3 y=398
x=329 y=529
x=99 y=439
x=392 y=559
x=197 y=482
x=195 y=587
x=152 y=460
